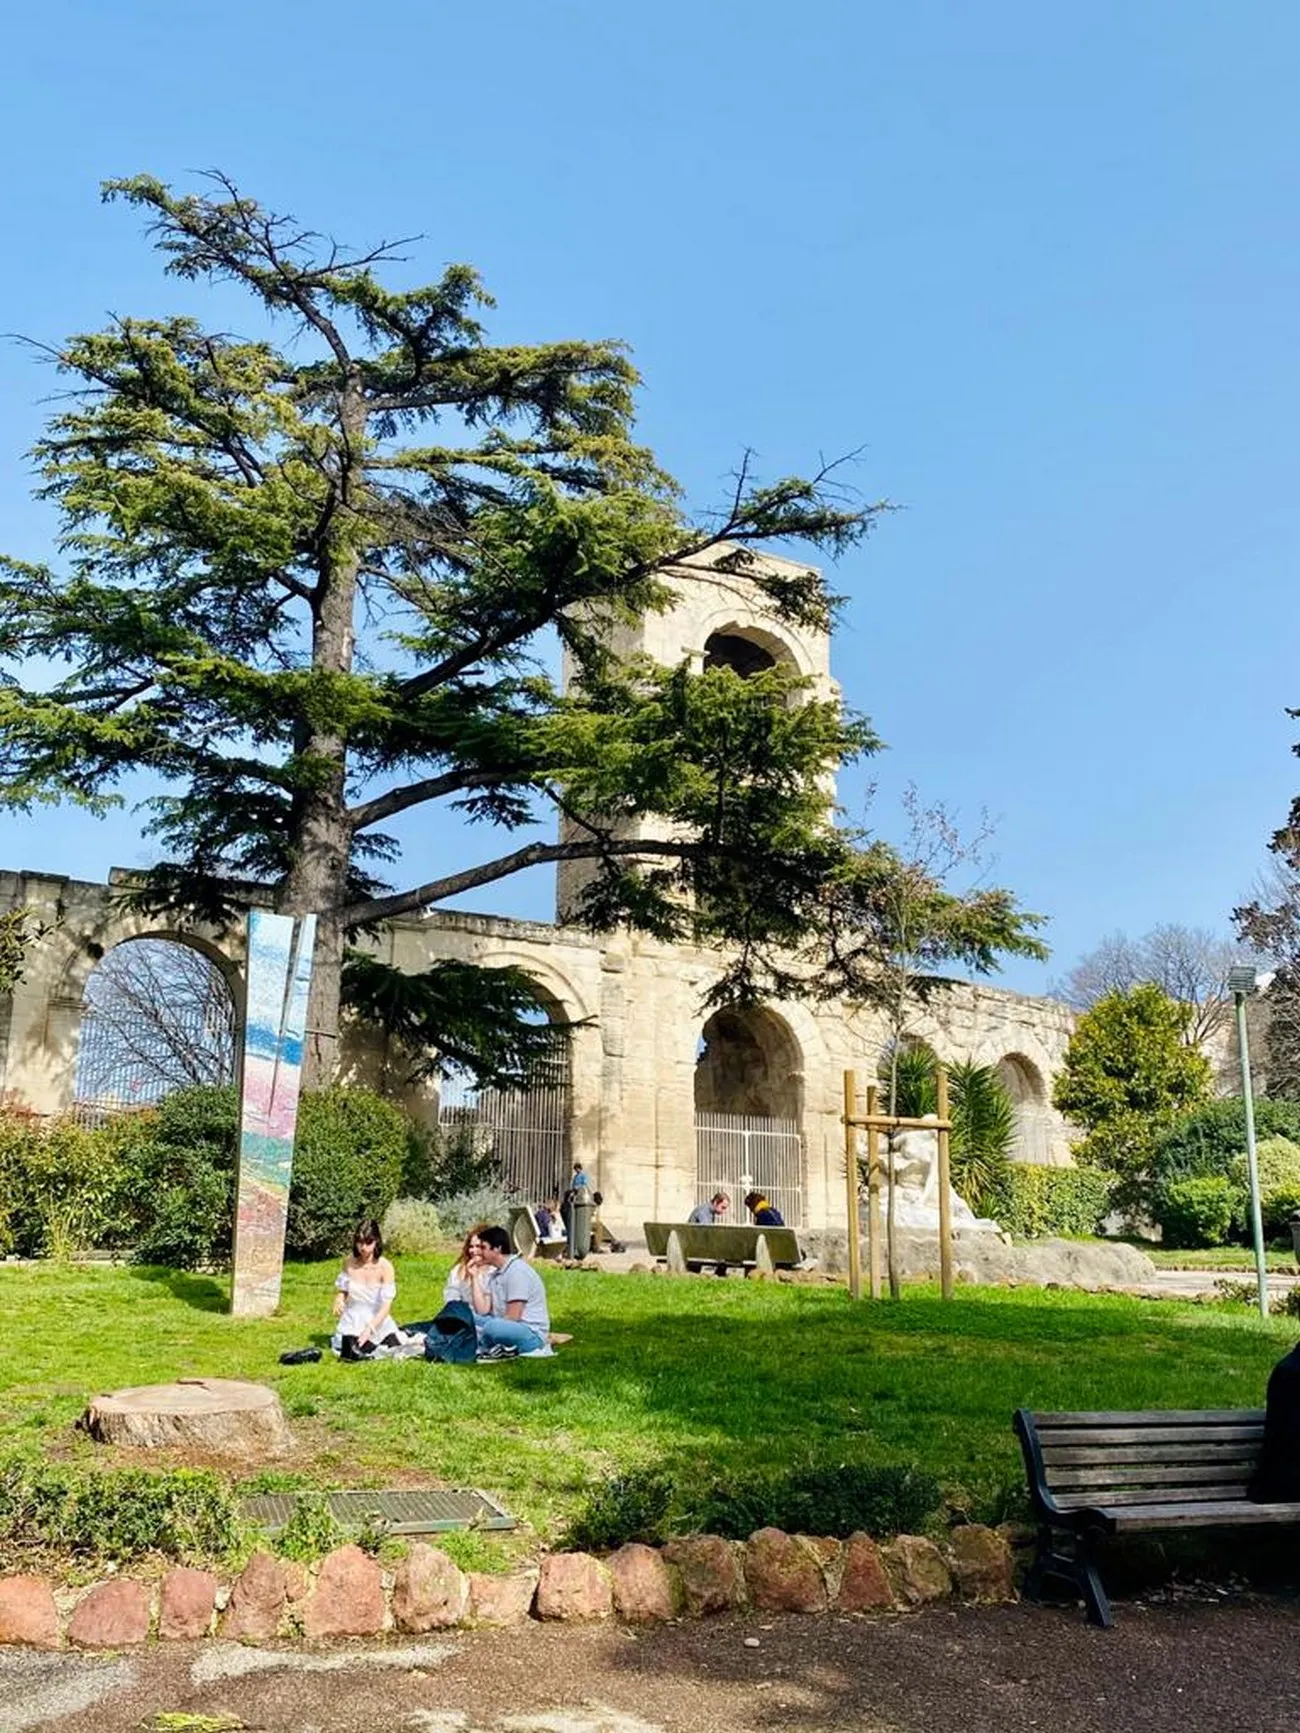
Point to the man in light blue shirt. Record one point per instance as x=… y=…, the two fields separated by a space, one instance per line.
x=711 y=1214
x=509 y=1300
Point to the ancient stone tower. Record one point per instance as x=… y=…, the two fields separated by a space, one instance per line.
x=717 y=618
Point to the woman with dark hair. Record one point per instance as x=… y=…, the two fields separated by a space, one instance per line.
x=365 y=1289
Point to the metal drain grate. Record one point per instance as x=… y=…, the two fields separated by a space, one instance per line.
x=400 y=1512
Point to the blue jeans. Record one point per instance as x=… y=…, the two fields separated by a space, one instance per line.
x=512 y=1332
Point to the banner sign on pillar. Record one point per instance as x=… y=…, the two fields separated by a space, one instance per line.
x=279 y=974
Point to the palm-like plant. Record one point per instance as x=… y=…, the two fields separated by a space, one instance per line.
x=907 y=1079
x=983 y=1130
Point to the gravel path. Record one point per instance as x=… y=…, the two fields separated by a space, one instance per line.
x=1170 y=1667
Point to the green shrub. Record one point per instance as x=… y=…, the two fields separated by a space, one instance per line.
x=118 y=1514
x=489 y=1203
x=648 y=1505
x=347 y=1165
x=983 y=1130
x=627 y=1507
x=883 y=1500
x=180 y=1160
x=447 y=1162
x=312 y=1529
x=60 y=1188
x=411 y=1228
x=1211 y=1139
x=1279 y=1187
x=1034 y=1201
x=1196 y=1211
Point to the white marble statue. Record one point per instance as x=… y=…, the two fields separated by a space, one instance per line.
x=915 y=1161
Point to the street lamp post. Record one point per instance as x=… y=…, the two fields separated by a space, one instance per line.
x=1242 y=981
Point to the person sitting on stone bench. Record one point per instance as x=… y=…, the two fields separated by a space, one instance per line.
x=711 y=1214
x=763 y=1214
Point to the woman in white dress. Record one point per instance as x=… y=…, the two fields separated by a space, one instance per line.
x=365 y=1289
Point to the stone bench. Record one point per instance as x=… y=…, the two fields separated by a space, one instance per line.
x=688 y=1246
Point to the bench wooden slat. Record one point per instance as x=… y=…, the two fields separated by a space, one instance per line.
x=1067 y=1455
x=1238 y=1513
x=1152 y=1417
x=1103 y=1498
x=1112 y=1435
x=1148 y=1474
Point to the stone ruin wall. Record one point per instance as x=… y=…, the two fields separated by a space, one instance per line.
x=634 y=1056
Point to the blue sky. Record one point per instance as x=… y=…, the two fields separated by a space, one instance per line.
x=1040 y=263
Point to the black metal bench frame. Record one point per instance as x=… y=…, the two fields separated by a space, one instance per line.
x=1135 y=1471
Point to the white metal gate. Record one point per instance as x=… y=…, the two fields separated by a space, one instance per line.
x=526 y=1131
x=738 y=1153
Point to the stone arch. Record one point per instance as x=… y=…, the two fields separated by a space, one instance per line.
x=1023 y=1081
x=749 y=1063
x=158 y=1013
x=782 y=649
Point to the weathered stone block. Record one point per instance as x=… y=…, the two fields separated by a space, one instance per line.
x=916 y=1570
x=711 y=1575
x=864 y=1582
x=575 y=1587
x=429 y=1593
x=348 y=1600
x=111 y=1616
x=185 y=1604
x=981 y=1564
x=781 y=1575
x=645 y=1587
x=256 y=1603
x=27 y=1612
x=501 y=1600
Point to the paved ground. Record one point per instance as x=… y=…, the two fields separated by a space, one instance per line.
x=1177 y=1667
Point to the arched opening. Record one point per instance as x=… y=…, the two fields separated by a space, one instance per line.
x=749 y=1109
x=157 y=1016
x=521 y=1137
x=1023 y=1082
x=739 y=652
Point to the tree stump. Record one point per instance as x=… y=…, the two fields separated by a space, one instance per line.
x=223 y=1415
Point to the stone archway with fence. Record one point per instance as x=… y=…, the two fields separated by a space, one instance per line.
x=749 y=1111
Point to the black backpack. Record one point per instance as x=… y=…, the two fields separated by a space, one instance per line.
x=451 y=1338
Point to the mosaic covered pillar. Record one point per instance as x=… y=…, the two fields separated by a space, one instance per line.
x=279 y=974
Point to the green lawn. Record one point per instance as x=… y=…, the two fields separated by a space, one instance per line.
x=705 y=1376
x=1219 y=1258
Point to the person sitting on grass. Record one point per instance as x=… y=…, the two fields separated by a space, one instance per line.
x=456 y=1287
x=365 y=1290
x=762 y=1212
x=509 y=1300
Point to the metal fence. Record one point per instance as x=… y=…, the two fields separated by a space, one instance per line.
x=738 y=1153
x=526 y=1131
x=116 y=1073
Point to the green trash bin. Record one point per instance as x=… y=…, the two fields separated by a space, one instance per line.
x=581 y=1212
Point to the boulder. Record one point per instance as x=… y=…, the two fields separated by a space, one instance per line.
x=575 y=1587
x=711 y=1576
x=916 y=1570
x=981 y=1564
x=501 y=1600
x=645 y=1588
x=223 y=1415
x=348 y=1600
x=27 y=1612
x=781 y=1575
x=185 y=1604
x=256 y=1602
x=429 y=1592
x=111 y=1616
x=864 y=1582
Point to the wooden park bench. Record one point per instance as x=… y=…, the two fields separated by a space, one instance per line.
x=1131 y=1473
x=687 y=1246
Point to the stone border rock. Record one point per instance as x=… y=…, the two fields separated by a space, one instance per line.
x=349 y=1595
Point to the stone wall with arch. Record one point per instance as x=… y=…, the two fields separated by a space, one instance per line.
x=641 y=1007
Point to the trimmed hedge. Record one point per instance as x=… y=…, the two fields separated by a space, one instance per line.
x=1034 y=1202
